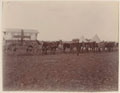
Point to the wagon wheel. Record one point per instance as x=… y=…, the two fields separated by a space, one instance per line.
x=29 y=49
x=11 y=49
x=37 y=50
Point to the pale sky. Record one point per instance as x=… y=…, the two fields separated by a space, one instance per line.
x=64 y=20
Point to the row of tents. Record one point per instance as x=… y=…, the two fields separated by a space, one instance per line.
x=83 y=39
x=95 y=38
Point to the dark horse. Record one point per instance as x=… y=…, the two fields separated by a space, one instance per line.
x=51 y=46
x=106 y=46
x=66 y=46
x=71 y=46
x=110 y=46
x=87 y=46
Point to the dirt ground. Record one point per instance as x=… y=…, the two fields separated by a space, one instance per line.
x=61 y=72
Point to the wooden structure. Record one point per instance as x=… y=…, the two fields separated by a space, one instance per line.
x=19 y=35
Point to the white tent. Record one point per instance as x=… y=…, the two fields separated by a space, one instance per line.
x=96 y=38
x=82 y=39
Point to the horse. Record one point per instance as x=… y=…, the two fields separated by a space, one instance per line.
x=101 y=46
x=110 y=46
x=66 y=45
x=93 y=46
x=52 y=46
x=71 y=46
x=106 y=46
x=85 y=47
x=75 y=46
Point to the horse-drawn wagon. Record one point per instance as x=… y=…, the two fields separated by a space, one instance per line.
x=20 y=41
x=25 y=42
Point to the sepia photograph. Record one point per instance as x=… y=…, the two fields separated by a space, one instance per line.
x=65 y=46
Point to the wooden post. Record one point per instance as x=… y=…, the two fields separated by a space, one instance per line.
x=22 y=36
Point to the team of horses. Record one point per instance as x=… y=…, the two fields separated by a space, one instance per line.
x=76 y=47
x=89 y=47
x=43 y=47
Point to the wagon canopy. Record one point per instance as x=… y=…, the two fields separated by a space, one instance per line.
x=18 y=34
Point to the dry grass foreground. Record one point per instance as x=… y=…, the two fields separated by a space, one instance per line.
x=61 y=72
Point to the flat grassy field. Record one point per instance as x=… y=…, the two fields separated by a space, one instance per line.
x=61 y=72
